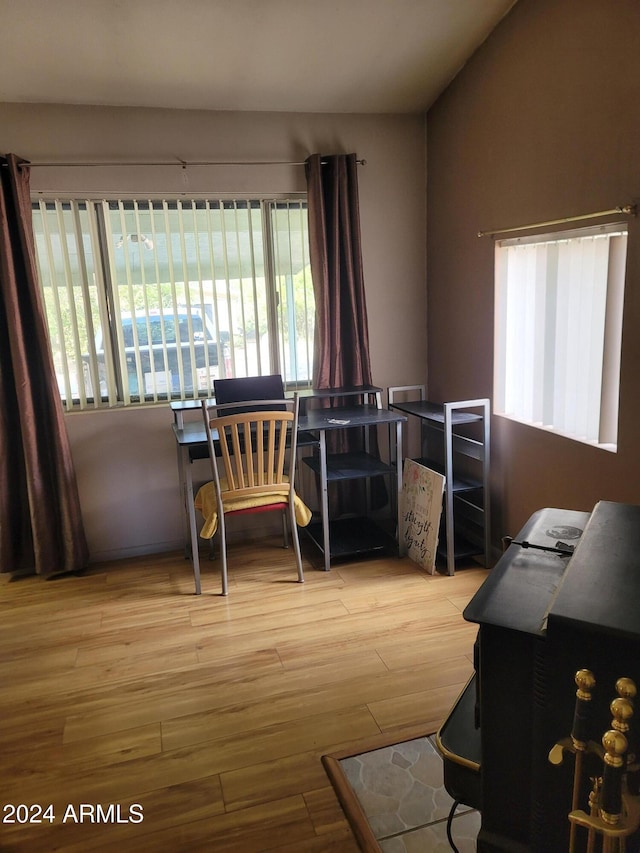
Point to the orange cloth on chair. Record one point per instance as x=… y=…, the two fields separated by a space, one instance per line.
x=205 y=501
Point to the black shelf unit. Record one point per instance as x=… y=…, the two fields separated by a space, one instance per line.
x=455 y=442
x=348 y=536
x=350 y=466
x=353 y=537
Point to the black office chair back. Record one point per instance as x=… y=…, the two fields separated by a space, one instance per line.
x=248 y=388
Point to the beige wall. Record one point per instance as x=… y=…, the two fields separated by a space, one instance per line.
x=542 y=123
x=126 y=460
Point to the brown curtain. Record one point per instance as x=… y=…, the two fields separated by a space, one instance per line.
x=341 y=354
x=341 y=344
x=41 y=527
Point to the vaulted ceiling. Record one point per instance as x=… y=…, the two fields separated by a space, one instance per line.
x=353 y=56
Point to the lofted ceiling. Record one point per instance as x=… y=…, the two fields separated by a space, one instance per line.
x=344 y=56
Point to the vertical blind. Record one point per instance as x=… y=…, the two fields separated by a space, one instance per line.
x=558 y=319
x=152 y=299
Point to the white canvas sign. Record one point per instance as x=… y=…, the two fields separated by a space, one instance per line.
x=422 y=491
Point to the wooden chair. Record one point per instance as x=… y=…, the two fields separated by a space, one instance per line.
x=257 y=453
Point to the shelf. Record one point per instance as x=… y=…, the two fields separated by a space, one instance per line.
x=349 y=466
x=460 y=484
x=358 y=391
x=306 y=439
x=434 y=412
x=352 y=536
x=462 y=547
x=470 y=510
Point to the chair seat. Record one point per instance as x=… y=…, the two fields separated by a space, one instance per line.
x=205 y=501
x=253 y=509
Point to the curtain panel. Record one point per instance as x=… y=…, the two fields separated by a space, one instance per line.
x=41 y=528
x=341 y=348
x=341 y=343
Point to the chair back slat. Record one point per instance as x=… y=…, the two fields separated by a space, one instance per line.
x=279 y=466
x=249 y=454
x=259 y=456
x=270 y=471
x=255 y=447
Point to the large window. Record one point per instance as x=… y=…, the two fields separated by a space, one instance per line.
x=153 y=300
x=558 y=331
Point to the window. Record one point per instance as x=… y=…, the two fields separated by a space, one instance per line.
x=152 y=300
x=558 y=331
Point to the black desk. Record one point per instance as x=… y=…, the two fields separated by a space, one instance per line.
x=365 y=393
x=313 y=424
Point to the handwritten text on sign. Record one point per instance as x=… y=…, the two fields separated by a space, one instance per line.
x=422 y=491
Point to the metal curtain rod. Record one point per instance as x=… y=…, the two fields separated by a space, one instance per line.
x=629 y=209
x=182 y=163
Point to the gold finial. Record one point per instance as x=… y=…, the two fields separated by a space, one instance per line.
x=615 y=745
x=622 y=711
x=626 y=688
x=585 y=681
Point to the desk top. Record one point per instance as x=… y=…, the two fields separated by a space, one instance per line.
x=303 y=394
x=193 y=433
x=434 y=412
x=344 y=417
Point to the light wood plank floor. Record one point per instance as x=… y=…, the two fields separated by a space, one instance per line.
x=201 y=721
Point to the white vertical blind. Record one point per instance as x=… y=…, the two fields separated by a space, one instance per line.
x=149 y=300
x=551 y=316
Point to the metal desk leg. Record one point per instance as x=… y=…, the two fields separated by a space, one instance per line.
x=324 y=502
x=183 y=463
x=191 y=510
x=448 y=471
x=183 y=456
x=402 y=545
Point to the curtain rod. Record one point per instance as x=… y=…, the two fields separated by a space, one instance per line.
x=629 y=209
x=182 y=163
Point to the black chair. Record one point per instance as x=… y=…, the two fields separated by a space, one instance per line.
x=252 y=388
x=238 y=389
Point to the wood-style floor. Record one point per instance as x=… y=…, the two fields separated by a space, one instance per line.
x=198 y=723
